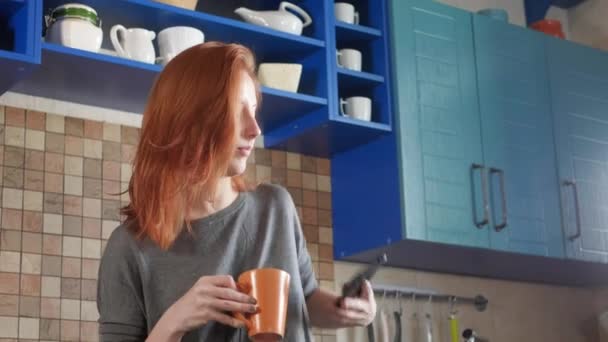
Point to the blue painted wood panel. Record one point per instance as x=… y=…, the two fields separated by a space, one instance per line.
x=438 y=123
x=579 y=91
x=517 y=134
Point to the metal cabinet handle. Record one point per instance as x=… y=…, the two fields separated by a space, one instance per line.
x=484 y=190
x=503 y=194
x=577 y=208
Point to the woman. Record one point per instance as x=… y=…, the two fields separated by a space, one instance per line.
x=167 y=273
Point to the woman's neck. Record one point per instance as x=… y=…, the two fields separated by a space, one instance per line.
x=224 y=196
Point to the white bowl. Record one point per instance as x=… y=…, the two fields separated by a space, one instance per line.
x=283 y=76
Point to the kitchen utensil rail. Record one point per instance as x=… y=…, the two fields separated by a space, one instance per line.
x=480 y=302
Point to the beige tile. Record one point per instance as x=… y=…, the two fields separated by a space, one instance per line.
x=14 y=156
x=111 y=132
x=72 y=225
x=12 y=198
x=93 y=129
x=125 y=172
x=129 y=135
x=10 y=240
x=34 y=180
x=107 y=228
x=111 y=190
x=9 y=327
x=32 y=221
x=110 y=210
x=89 y=311
x=9 y=283
x=74 y=126
x=262 y=173
x=51 y=265
x=32 y=200
x=91 y=207
x=127 y=153
x=10 y=261
x=90 y=268
x=51 y=287
x=309 y=181
x=325 y=235
x=32 y=242
x=12 y=219
x=51 y=244
x=54 y=142
x=29 y=306
x=50 y=329
x=92 y=188
x=72 y=205
x=73 y=166
x=35 y=120
x=71 y=267
x=31 y=263
x=89 y=331
x=74 y=146
x=70 y=288
x=53 y=162
x=34 y=140
x=55 y=123
x=9 y=305
x=91 y=228
x=13 y=178
x=52 y=223
x=293 y=161
x=70 y=309
x=92 y=148
x=14 y=136
x=50 y=307
x=89 y=289
x=72 y=185
x=324 y=183
x=70 y=330
x=124 y=192
x=111 y=170
x=309 y=164
x=111 y=151
x=91 y=248
x=2 y=115
x=34 y=160
x=53 y=203
x=72 y=246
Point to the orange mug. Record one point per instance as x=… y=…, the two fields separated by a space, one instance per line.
x=270 y=287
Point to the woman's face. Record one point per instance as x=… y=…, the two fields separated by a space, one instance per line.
x=247 y=129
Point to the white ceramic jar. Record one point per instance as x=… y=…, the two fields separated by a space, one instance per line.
x=76 y=26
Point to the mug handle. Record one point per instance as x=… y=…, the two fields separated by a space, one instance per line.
x=116 y=29
x=307 y=18
x=342 y=105
x=338 y=54
x=356 y=18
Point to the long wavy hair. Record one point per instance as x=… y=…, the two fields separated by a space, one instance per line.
x=187 y=138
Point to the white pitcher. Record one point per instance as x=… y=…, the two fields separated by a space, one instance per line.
x=133 y=43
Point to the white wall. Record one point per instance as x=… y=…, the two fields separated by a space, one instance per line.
x=589 y=23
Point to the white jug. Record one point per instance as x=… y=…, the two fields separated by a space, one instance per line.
x=133 y=43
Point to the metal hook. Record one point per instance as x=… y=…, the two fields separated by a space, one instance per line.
x=453 y=305
x=400 y=304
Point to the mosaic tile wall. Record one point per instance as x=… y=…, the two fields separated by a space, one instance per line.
x=59 y=179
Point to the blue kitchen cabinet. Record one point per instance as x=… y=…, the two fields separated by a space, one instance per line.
x=579 y=93
x=438 y=127
x=517 y=135
x=20 y=31
x=473 y=159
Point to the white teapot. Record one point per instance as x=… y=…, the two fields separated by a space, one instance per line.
x=134 y=43
x=281 y=20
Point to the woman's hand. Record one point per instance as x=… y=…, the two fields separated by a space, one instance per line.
x=358 y=311
x=208 y=300
x=350 y=311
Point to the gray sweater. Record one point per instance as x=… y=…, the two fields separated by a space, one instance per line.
x=138 y=281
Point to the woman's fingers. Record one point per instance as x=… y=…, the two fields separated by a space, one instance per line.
x=225 y=319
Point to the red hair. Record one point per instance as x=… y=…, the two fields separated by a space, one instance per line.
x=187 y=138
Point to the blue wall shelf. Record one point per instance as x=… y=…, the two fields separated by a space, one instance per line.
x=307 y=121
x=19 y=40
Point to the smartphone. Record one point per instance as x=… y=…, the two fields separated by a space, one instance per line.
x=353 y=287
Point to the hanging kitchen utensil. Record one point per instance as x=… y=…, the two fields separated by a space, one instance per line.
x=427 y=329
x=453 y=320
x=397 y=316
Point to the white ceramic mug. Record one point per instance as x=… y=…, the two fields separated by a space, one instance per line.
x=357 y=107
x=349 y=59
x=133 y=43
x=346 y=12
x=173 y=40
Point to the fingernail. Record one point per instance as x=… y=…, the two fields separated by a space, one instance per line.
x=252 y=300
x=253 y=309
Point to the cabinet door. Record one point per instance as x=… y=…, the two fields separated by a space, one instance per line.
x=579 y=91
x=437 y=122
x=517 y=134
